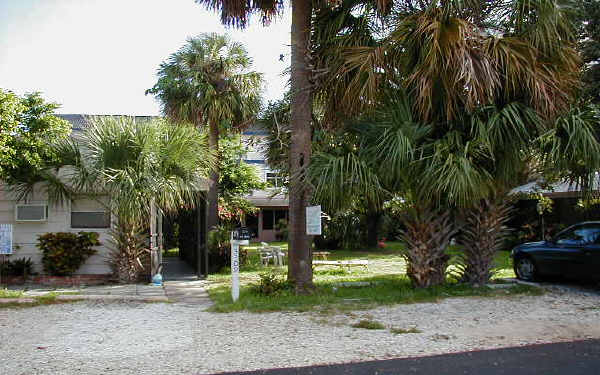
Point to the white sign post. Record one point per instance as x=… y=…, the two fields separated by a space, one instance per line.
x=6 y=232
x=238 y=237
x=313 y=220
x=235 y=269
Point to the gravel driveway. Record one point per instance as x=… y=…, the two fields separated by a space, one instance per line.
x=119 y=338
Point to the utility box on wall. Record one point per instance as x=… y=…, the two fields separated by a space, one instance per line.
x=31 y=212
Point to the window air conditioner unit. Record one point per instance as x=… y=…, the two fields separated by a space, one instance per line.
x=31 y=212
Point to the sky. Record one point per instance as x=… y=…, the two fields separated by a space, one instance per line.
x=99 y=56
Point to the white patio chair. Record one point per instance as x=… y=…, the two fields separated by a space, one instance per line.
x=266 y=254
x=279 y=255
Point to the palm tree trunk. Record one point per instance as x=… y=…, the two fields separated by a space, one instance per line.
x=374 y=215
x=212 y=213
x=373 y=221
x=300 y=260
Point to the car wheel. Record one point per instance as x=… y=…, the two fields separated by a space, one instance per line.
x=525 y=269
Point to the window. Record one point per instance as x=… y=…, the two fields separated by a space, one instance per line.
x=268 y=216
x=89 y=214
x=275 y=179
x=279 y=215
x=580 y=235
x=99 y=219
x=252 y=225
x=271 y=217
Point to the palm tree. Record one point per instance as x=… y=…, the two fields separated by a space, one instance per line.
x=129 y=166
x=208 y=82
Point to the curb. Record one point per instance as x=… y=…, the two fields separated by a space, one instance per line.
x=16 y=300
x=110 y=297
x=88 y=297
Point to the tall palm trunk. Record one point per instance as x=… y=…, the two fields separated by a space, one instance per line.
x=427 y=236
x=482 y=238
x=374 y=215
x=128 y=253
x=300 y=260
x=212 y=214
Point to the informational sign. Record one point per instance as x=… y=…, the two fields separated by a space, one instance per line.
x=241 y=233
x=6 y=232
x=313 y=220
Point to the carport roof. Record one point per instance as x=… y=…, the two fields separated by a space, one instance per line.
x=561 y=189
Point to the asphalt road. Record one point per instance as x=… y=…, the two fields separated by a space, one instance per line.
x=570 y=358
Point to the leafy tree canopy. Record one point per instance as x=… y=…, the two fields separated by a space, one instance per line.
x=27 y=125
x=588 y=22
x=237 y=178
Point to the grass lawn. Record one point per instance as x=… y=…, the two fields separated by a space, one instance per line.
x=174 y=252
x=384 y=283
x=5 y=293
x=47 y=299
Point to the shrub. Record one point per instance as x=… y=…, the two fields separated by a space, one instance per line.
x=64 y=253
x=18 y=267
x=270 y=283
x=401 y=331
x=368 y=324
x=219 y=249
x=282 y=230
x=343 y=230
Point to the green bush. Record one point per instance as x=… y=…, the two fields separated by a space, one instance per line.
x=219 y=249
x=64 y=253
x=368 y=324
x=281 y=228
x=17 y=267
x=342 y=230
x=270 y=283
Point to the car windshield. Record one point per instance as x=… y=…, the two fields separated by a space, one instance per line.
x=580 y=235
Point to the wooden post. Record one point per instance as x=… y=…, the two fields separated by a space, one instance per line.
x=202 y=238
x=160 y=239
x=154 y=251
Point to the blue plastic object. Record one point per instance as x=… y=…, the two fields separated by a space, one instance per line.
x=157 y=280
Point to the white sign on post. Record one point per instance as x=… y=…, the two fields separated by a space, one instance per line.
x=313 y=220
x=6 y=239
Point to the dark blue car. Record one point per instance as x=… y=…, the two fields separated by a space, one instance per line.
x=573 y=253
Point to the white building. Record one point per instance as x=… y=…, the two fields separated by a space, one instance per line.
x=273 y=201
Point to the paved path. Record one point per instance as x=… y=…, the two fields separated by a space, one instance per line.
x=181 y=285
x=569 y=358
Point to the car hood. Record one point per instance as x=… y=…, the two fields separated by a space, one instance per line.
x=530 y=245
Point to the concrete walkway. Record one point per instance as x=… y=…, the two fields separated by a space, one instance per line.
x=181 y=285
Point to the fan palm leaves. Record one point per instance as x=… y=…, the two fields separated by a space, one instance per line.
x=208 y=80
x=137 y=163
x=572 y=147
x=451 y=64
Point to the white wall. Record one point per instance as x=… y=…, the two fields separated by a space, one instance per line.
x=59 y=220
